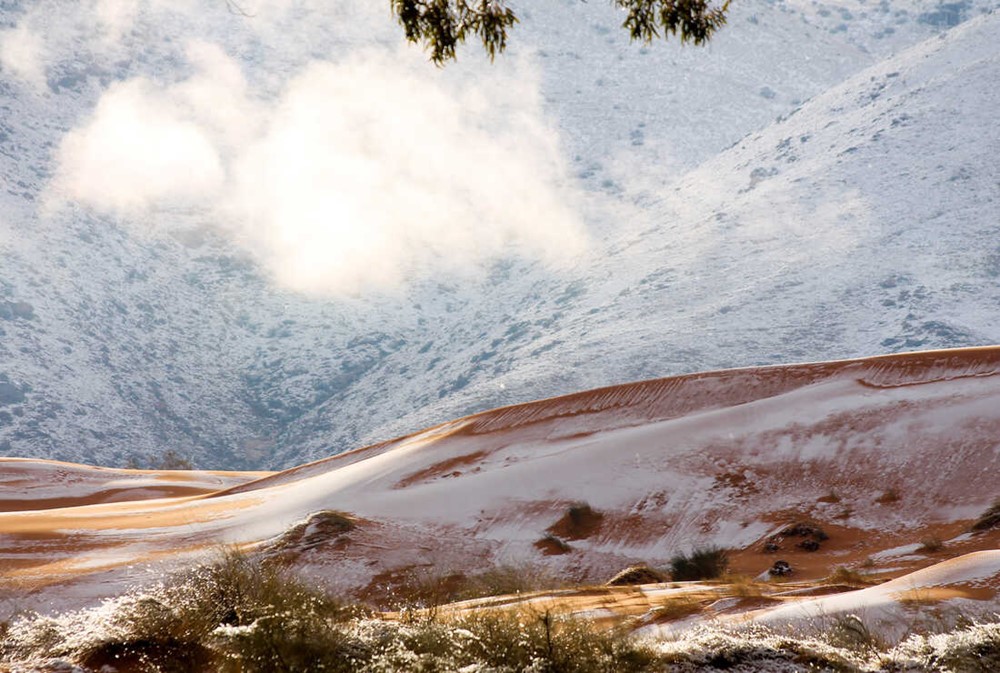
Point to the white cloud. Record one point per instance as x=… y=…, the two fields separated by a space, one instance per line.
x=139 y=150
x=361 y=172
x=21 y=54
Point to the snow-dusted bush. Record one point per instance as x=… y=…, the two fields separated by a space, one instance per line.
x=972 y=649
x=243 y=616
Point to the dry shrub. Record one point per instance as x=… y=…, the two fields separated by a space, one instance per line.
x=674 y=608
x=988 y=519
x=851 y=633
x=238 y=614
x=930 y=545
x=541 y=641
x=509 y=579
x=848 y=577
x=701 y=564
x=420 y=589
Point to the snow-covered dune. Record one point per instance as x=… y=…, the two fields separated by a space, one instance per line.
x=47 y=484
x=879 y=451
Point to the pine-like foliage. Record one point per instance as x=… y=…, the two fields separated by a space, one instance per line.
x=441 y=25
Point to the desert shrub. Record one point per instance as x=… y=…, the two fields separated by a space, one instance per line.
x=288 y=643
x=754 y=648
x=508 y=579
x=988 y=519
x=930 y=545
x=422 y=589
x=169 y=460
x=543 y=642
x=851 y=633
x=845 y=575
x=701 y=564
x=236 y=614
x=972 y=649
x=673 y=608
x=240 y=589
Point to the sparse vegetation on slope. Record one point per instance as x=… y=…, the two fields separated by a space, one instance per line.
x=242 y=615
x=990 y=518
x=701 y=564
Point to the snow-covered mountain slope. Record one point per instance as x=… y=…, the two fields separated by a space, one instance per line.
x=866 y=222
x=115 y=341
x=881 y=453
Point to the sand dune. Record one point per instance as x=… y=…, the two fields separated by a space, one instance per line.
x=881 y=452
x=29 y=484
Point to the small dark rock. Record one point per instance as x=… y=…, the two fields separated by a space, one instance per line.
x=805 y=530
x=780 y=569
x=808 y=545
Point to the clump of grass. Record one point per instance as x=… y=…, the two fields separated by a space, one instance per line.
x=508 y=579
x=851 y=633
x=988 y=519
x=743 y=587
x=701 y=564
x=845 y=575
x=830 y=497
x=672 y=609
x=421 y=590
x=974 y=647
x=543 y=642
x=930 y=545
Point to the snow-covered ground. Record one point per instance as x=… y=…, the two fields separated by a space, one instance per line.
x=720 y=458
x=139 y=314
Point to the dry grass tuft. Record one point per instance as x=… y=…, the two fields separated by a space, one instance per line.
x=702 y=564
x=988 y=519
x=930 y=545
x=849 y=577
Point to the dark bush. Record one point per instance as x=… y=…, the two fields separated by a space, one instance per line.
x=702 y=564
x=988 y=519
